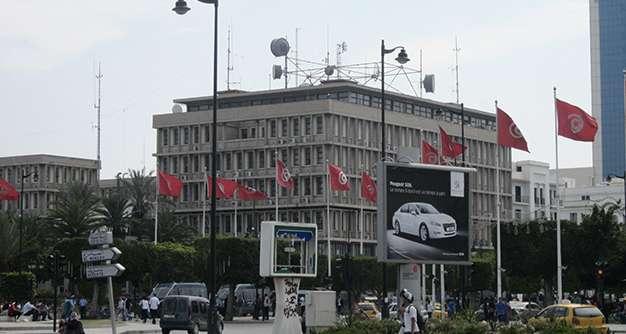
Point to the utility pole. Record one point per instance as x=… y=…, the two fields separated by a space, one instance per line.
x=97 y=106
x=456 y=67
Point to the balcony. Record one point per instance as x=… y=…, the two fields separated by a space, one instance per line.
x=521 y=199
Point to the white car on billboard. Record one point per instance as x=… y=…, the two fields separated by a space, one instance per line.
x=423 y=221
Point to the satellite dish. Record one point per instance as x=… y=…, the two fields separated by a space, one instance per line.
x=277 y=71
x=177 y=108
x=429 y=83
x=329 y=70
x=279 y=47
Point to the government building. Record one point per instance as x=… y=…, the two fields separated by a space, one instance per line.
x=336 y=121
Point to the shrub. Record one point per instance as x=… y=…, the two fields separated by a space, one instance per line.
x=457 y=326
x=366 y=327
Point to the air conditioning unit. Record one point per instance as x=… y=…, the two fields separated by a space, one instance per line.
x=249 y=173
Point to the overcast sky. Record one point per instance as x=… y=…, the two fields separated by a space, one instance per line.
x=512 y=51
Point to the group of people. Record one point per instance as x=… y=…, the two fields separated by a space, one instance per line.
x=37 y=311
x=148 y=307
x=499 y=311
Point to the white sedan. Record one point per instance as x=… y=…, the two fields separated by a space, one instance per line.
x=424 y=221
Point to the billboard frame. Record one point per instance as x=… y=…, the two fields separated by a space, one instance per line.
x=382 y=249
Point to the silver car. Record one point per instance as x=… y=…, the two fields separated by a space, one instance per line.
x=423 y=221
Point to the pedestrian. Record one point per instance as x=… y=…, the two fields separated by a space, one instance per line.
x=502 y=310
x=30 y=309
x=145 y=308
x=68 y=308
x=451 y=306
x=121 y=308
x=74 y=326
x=14 y=311
x=154 y=308
x=408 y=314
x=429 y=308
x=267 y=303
x=61 y=329
x=82 y=307
x=43 y=311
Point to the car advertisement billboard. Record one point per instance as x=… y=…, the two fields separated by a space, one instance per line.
x=423 y=213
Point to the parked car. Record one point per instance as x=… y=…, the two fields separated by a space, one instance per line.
x=162 y=290
x=245 y=295
x=367 y=311
x=438 y=313
x=424 y=221
x=188 y=313
x=581 y=316
x=523 y=311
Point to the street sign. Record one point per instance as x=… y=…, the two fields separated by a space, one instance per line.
x=106 y=270
x=104 y=254
x=100 y=238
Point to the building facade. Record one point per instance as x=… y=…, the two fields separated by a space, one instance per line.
x=533 y=190
x=608 y=60
x=50 y=173
x=338 y=121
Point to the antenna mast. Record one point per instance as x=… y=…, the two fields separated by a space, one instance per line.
x=229 y=68
x=297 y=65
x=456 y=66
x=97 y=106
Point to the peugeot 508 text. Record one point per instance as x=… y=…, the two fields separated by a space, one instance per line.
x=423 y=221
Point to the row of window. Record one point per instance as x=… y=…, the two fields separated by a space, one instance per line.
x=403 y=106
x=53 y=174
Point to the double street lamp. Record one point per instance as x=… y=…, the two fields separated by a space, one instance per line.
x=402 y=58
x=181 y=8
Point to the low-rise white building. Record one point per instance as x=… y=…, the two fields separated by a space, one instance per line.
x=534 y=192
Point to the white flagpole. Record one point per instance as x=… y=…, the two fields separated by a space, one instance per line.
x=443 y=286
x=206 y=181
x=328 y=231
x=361 y=225
x=156 y=210
x=498 y=205
x=276 y=182
x=559 y=265
x=423 y=273
x=235 y=199
x=433 y=287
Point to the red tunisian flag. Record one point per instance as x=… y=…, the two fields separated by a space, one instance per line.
x=283 y=177
x=246 y=193
x=225 y=188
x=429 y=154
x=509 y=134
x=449 y=148
x=575 y=123
x=7 y=191
x=368 y=187
x=338 y=179
x=169 y=185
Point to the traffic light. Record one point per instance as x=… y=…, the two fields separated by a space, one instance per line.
x=599 y=274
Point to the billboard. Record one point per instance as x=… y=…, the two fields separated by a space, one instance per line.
x=423 y=213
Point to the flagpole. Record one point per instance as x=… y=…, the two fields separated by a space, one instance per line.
x=156 y=212
x=276 y=182
x=361 y=224
x=235 y=199
x=559 y=265
x=328 y=231
x=206 y=180
x=498 y=206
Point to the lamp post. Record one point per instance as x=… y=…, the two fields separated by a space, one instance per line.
x=181 y=8
x=623 y=177
x=402 y=59
x=56 y=260
x=24 y=175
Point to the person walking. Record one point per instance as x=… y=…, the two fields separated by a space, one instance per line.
x=429 y=308
x=121 y=308
x=82 y=307
x=154 y=308
x=145 y=309
x=68 y=308
x=408 y=314
x=502 y=310
x=267 y=303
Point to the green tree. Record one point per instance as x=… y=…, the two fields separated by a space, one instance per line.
x=173 y=229
x=140 y=189
x=117 y=212
x=76 y=211
x=9 y=241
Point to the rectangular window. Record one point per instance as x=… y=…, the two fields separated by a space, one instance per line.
x=319 y=185
x=261 y=159
x=195 y=191
x=319 y=125
x=186 y=135
x=250 y=160
x=175 y=165
x=307 y=156
x=229 y=161
x=196 y=164
x=284 y=128
x=296 y=186
x=207 y=134
x=273 y=128
x=295 y=158
x=239 y=157
x=165 y=138
x=573 y=217
x=244 y=133
x=307 y=126
x=252 y=132
x=307 y=186
x=185 y=165
x=518 y=194
x=295 y=125
x=176 y=136
x=196 y=134
x=319 y=155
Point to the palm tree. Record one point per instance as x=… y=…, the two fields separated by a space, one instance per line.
x=117 y=211
x=9 y=236
x=140 y=189
x=76 y=211
x=173 y=229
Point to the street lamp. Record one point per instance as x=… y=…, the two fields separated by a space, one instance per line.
x=623 y=177
x=56 y=260
x=24 y=176
x=181 y=8
x=402 y=58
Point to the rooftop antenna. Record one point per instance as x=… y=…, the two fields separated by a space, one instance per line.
x=456 y=66
x=421 y=71
x=297 y=65
x=97 y=106
x=327 y=60
x=341 y=49
x=229 y=66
